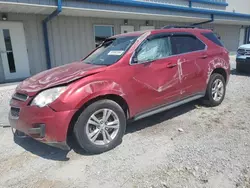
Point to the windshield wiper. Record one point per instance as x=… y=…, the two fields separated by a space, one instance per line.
x=89 y=63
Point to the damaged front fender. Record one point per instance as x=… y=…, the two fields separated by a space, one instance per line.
x=78 y=96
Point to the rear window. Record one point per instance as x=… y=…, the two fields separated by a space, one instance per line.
x=212 y=37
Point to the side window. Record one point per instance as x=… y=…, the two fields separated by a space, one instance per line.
x=184 y=44
x=154 y=49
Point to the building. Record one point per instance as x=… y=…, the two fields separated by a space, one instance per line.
x=39 y=34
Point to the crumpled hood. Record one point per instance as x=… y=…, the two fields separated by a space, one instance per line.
x=57 y=76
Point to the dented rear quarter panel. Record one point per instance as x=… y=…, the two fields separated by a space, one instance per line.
x=218 y=57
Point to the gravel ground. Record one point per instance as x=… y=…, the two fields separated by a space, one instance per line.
x=6 y=91
x=212 y=151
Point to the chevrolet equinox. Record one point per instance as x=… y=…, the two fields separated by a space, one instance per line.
x=127 y=77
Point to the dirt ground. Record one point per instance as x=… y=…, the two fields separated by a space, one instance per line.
x=213 y=151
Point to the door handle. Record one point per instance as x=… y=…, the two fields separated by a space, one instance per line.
x=204 y=56
x=171 y=65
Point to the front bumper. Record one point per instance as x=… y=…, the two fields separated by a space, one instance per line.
x=243 y=64
x=42 y=124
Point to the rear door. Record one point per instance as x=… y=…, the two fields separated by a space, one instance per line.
x=190 y=55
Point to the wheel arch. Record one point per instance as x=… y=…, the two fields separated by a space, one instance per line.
x=114 y=97
x=221 y=71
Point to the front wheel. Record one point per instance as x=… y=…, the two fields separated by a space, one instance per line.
x=216 y=90
x=100 y=127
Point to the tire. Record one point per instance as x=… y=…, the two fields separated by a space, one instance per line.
x=83 y=129
x=209 y=98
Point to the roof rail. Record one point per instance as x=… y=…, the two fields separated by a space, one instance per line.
x=178 y=26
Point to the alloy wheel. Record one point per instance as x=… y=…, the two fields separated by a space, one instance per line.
x=217 y=90
x=102 y=126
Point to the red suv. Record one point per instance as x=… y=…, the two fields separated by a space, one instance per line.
x=127 y=77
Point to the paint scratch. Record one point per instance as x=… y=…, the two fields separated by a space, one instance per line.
x=216 y=63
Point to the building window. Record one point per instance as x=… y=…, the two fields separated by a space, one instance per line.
x=102 y=32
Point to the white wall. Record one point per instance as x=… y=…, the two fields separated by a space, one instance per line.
x=240 y=6
x=230 y=36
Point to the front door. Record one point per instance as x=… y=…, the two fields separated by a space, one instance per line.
x=155 y=74
x=13 y=51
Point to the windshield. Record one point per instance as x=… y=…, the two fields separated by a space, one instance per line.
x=110 y=51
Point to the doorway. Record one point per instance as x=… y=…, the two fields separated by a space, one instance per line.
x=13 y=51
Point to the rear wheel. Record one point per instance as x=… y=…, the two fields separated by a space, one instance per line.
x=100 y=127
x=216 y=90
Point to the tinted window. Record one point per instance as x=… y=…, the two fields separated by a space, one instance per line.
x=213 y=38
x=185 y=44
x=110 y=51
x=154 y=49
x=102 y=32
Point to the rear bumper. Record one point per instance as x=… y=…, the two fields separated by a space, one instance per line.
x=42 y=124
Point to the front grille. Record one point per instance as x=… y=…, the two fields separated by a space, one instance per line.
x=15 y=112
x=20 y=97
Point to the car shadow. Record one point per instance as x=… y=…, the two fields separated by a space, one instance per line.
x=134 y=126
x=234 y=72
x=41 y=150
x=52 y=153
x=161 y=117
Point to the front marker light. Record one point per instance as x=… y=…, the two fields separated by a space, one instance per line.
x=48 y=96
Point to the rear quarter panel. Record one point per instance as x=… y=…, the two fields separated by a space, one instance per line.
x=218 y=57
